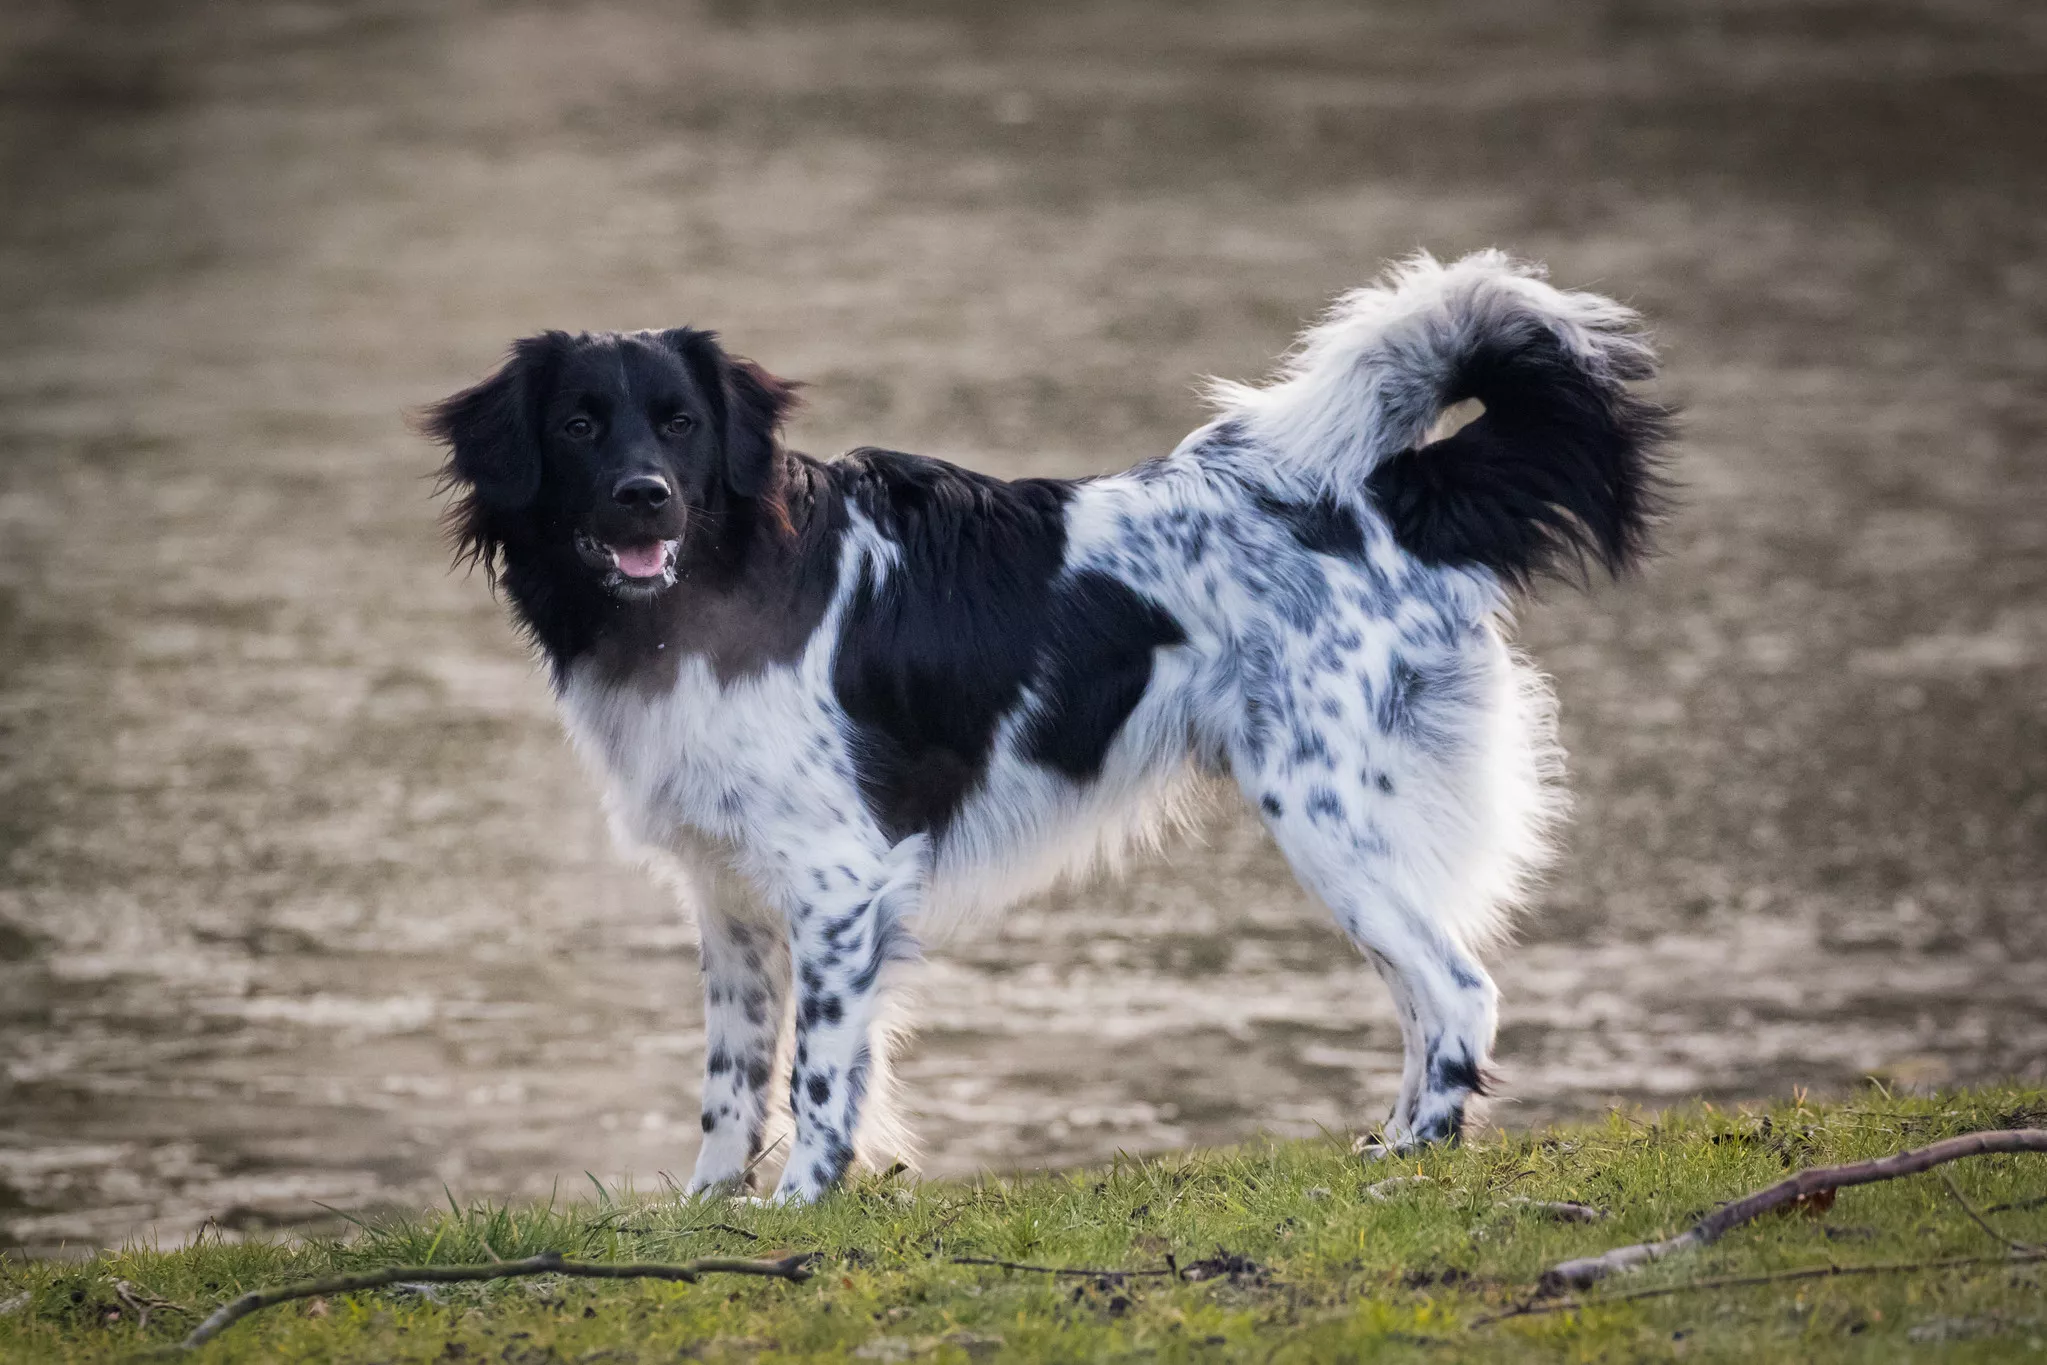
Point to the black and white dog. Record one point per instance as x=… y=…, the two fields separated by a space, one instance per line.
x=833 y=700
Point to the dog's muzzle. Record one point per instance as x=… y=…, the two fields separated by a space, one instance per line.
x=635 y=568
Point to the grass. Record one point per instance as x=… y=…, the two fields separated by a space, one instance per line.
x=1337 y=1274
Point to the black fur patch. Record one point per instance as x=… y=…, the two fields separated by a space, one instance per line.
x=932 y=657
x=1323 y=526
x=1563 y=467
x=1094 y=664
x=1458 y=1072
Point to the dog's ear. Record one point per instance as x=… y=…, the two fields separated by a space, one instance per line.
x=749 y=404
x=489 y=429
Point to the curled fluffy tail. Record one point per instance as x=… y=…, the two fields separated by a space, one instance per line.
x=1564 y=465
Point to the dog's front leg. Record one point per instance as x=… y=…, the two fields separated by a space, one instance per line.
x=842 y=942
x=746 y=989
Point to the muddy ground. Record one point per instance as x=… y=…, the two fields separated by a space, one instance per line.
x=303 y=899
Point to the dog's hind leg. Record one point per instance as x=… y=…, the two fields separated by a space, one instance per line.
x=1410 y=798
x=1446 y=1001
x=845 y=935
x=746 y=991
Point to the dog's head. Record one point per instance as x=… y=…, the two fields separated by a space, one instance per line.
x=613 y=449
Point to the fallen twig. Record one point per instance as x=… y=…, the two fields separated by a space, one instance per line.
x=1562 y=1210
x=793 y=1268
x=142 y=1303
x=1589 y=1270
x=2010 y=1243
x=727 y=1227
x=1535 y=1306
x=690 y=1232
x=2016 y=1205
x=1056 y=1269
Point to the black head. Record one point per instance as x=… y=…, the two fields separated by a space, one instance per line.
x=609 y=451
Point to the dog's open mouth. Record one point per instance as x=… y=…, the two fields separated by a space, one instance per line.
x=636 y=564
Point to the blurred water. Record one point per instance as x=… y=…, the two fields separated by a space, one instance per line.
x=302 y=898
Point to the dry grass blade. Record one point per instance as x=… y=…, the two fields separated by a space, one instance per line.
x=1056 y=1269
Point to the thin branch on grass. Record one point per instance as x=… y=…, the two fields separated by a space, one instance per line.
x=1589 y=1270
x=1057 y=1269
x=1980 y=1221
x=1535 y=1306
x=142 y=1303
x=691 y=1232
x=2017 y=1205
x=727 y=1227
x=1561 y=1210
x=793 y=1268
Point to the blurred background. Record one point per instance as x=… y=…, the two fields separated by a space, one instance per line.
x=304 y=902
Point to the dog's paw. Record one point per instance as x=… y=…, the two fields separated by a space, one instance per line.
x=1392 y=1138
x=1373 y=1146
x=710 y=1189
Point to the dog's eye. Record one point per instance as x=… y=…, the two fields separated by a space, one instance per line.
x=579 y=428
x=677 y=424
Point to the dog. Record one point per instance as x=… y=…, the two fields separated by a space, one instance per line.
x=836 y=701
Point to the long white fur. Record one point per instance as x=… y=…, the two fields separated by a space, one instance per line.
x=1366 y=380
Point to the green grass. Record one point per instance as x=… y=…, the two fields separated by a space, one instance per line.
x=1341 y=1276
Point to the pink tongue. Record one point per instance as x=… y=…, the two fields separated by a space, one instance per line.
x=642 y=561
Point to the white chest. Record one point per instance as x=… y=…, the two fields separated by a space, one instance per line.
x=750 y=762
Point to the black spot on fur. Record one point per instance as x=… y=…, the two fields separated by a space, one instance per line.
x=1095 y=662
x=893 y=942
x=1455 y=1072
x=1271 y=806
x=939 y=648
x=1565 y=466
x=935 y=652
x=1309 y=747
x=1447 y=1127
x=720 y=1063
x=757 y=1073
x=709 y=1121
x=1422 y=702
x=820 y=1089
x=1324 y=804
x=1323 y=526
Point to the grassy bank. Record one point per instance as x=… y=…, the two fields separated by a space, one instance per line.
x=1296 y=1259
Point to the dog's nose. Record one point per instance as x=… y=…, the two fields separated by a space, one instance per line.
x=641 y=492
